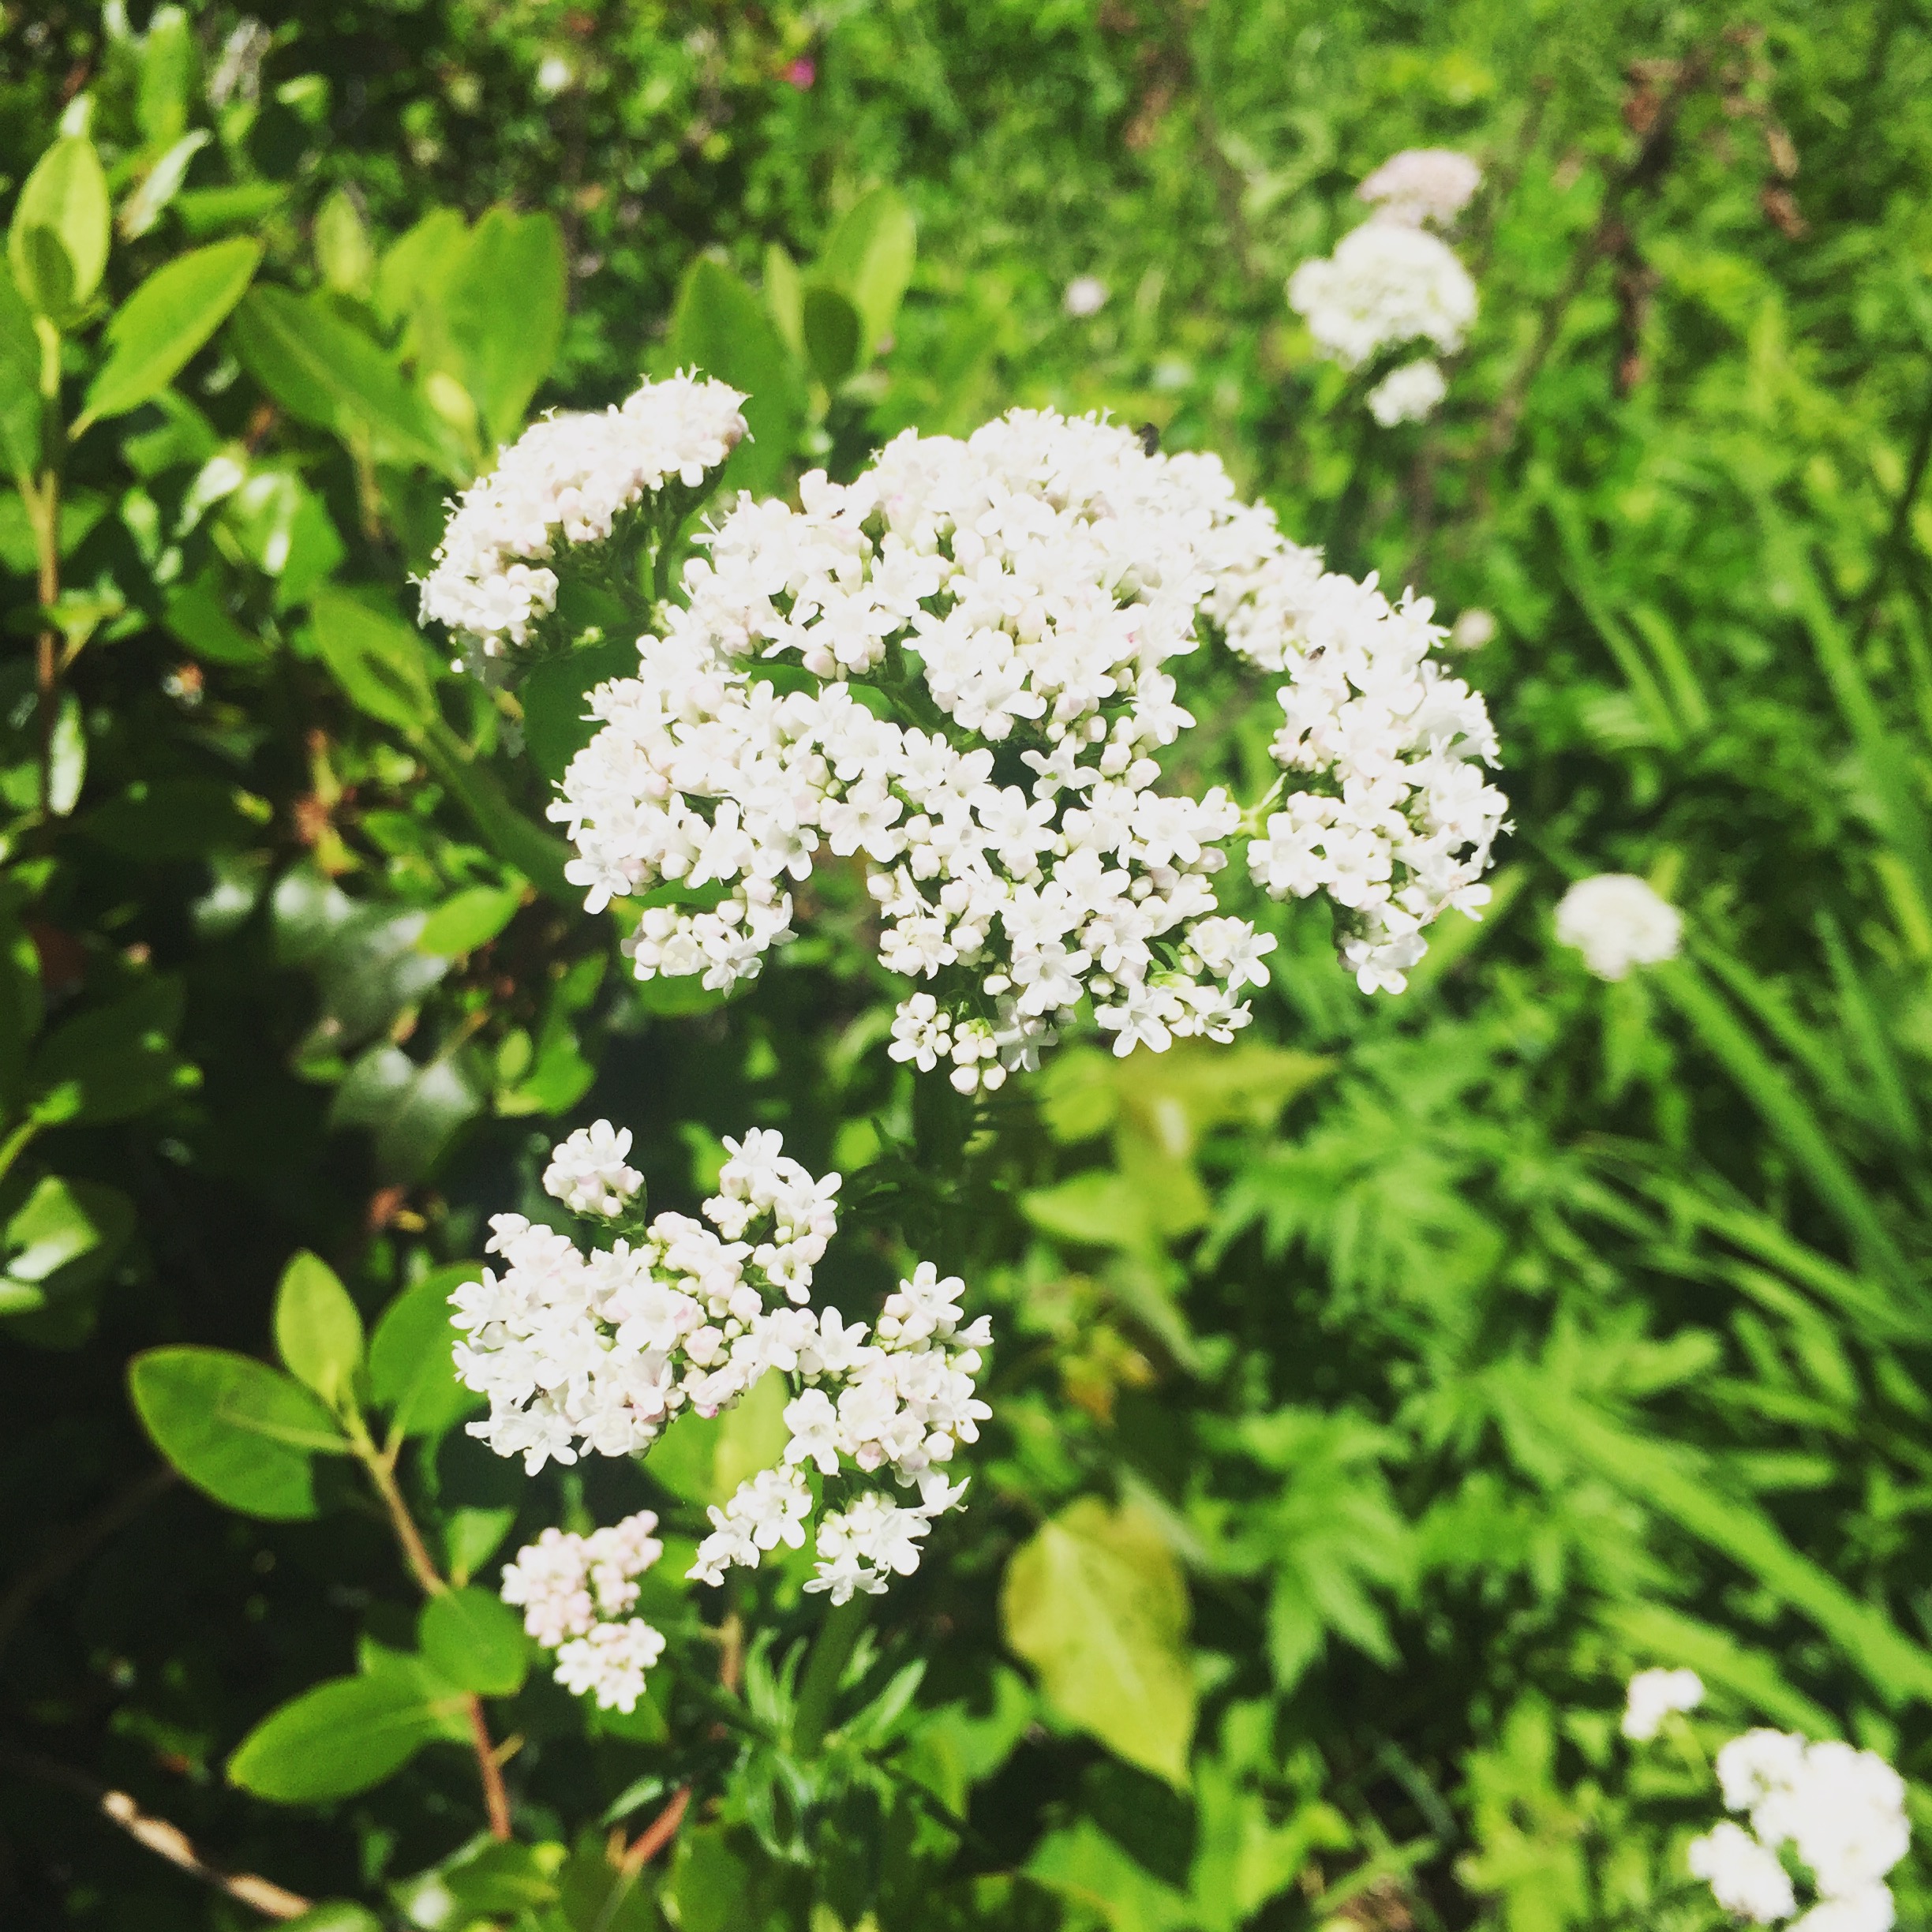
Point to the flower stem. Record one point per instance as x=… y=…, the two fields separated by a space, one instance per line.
x=823 y=1668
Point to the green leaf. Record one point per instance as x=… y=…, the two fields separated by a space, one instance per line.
x=145 y=206
x=413 y=1110
x=346 y=1734
x=471 y=919
x=335 y=1916
x=161 y=325
x=410 y=1370
x=703 y=1459
x=197 y=616
x=378 y=661
x=21 y=1007
x=341 y=244
x=504 y=308
x=1095 y=1603
x=868 y=259
x=20 y=404
x=115 y=1062
x=59 y=1246
x=167 y=76
x=833 y=333
x=244 y=1432
x=721 y=327
x=57 y=243
x=172 y=818
x=318 y=1332
x=476 y=1641
x=555 y=698
x=325 y=370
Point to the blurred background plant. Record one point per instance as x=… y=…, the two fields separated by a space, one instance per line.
x=1375 y=1394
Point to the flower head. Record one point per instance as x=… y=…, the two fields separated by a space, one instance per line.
x=1422 y=184
x=1616 y=922
x=1386 y=284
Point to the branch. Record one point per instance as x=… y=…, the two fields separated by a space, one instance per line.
x=165 y=1841
x=657 y=1833
x=1644 y=168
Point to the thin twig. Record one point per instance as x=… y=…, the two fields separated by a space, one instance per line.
x=381 y=1468
x=164 y=1839
x=77 y=1546
x=657 y=1833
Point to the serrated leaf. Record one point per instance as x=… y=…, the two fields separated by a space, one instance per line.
x=318 y=1332
x=1095 y=1603
x=476 y=1641
x=160 y=327
x=243 y=1432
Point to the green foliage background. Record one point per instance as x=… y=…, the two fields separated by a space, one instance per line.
x=1371 y=1397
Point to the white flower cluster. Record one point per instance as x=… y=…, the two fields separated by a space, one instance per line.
x=1840 y=1810
x=1421 y=184
x=599 y=1353
x=1616 y=922
x=901 y=1402
x=1410 y=394
x=564 y=480
x=576 y=1593
x=1386 y=283
x=983 y=627
x=1656 y=1694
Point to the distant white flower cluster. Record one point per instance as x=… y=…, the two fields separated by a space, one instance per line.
x=1421 y=184
x=576 y=1593
x=565 y=480
x=983 y=627
x=1616 y=922
x=1656 y=1694
x=600 y=1352
x=1385 y=283
x=1841 y=1811
x=1410 y=394
x=1391 y=282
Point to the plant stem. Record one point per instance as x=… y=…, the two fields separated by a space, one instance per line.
x=163 y=1839
x=43 y=501
x=381 y=1466
x=16 y=1143
x=658 y=1833
x=823 y=1668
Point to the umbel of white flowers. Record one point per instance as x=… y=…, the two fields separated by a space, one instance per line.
x=1839 y=1811
x=1391 y=282
x=600 y=1352
x=955 y=672
x=1617 y=921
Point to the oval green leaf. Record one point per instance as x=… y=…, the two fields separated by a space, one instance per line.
x=57 y=244
x=318 y=1332
x=342 y=1737
x=161 y=325
x=475 y=1640
x=411 y=1373
x=244 y=1433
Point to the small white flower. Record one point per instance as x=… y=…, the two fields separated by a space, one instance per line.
x=1744 y=1878
x=1386 y=284
x=1422 y=184
x=1653 y=1695
x=1616 y=922
x=1474 y=629
x=1410 y=394
x=588 y=1173
x=1085 y=295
